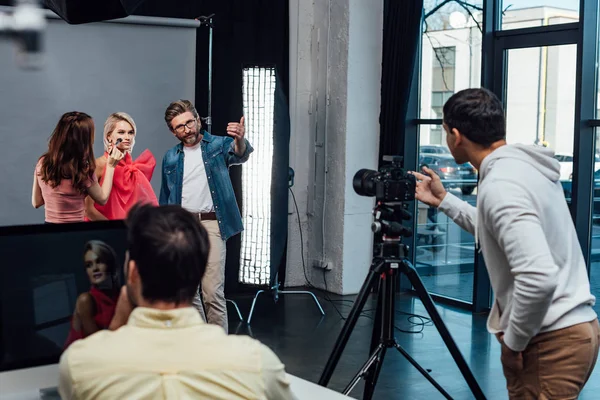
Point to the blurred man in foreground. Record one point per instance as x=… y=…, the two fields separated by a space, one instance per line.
x=159 y=347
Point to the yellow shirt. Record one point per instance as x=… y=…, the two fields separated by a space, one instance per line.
x=170 y=355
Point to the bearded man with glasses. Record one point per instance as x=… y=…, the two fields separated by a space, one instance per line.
x=195 y=175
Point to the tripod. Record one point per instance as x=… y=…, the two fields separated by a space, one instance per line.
x=387 y=267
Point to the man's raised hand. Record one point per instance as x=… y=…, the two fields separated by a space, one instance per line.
x=236 y=130
x=430 y=189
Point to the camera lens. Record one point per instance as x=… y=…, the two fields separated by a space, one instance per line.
x=364 y=183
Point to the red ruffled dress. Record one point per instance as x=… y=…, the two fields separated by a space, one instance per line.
x=131 y=185
x=105 y=310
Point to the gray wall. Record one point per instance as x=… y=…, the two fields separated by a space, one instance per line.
x=137 y=65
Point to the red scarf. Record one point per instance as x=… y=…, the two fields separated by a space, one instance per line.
x=131 y=185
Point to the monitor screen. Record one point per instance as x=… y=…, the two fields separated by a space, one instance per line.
x=58 y=283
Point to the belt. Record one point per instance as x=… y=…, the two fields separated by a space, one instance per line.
x=210 y=216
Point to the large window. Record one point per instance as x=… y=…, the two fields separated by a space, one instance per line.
x=451 y=61
x=540 y=100
x=518 y=14
x=444 y=252
x=443 y=79
x=451 y=52
x=537 y=69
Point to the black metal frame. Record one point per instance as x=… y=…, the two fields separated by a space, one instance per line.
x=495 y=44
x=585 y=110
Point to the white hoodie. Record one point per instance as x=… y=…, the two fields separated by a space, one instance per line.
x=529 y=244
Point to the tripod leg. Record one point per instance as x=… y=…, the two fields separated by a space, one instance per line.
x=383 y=328
x=376 y=336
x=372 y=375
x=342 y=339
x=378 y=354
x=423 y=371
x=417 y=283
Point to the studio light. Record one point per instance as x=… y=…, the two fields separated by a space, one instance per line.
x=259 y=111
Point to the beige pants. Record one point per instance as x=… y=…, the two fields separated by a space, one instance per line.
x=556 y=365
x=213 y=282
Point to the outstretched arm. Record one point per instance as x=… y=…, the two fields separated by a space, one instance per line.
x=99 y=193
x=431 y=191
x=459 y=211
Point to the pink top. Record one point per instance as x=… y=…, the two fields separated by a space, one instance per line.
x=63 y=203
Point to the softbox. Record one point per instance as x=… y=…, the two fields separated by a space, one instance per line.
x=83 y=11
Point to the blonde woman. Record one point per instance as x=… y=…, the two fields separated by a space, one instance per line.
x=131 y=182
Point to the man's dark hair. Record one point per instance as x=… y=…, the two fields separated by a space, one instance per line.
x=170 y=248
x=177 y=108
x=478 y=114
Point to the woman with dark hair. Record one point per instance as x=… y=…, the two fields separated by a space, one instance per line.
x=94 y=310
x=65 y=174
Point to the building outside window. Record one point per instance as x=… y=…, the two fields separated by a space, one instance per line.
x=540 y=107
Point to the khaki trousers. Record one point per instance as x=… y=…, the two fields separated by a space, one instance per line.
x=556 y=365
x=213 y=281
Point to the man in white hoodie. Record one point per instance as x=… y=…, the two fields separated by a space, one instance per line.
x=542 y=314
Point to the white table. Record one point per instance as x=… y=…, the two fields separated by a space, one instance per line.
x=26 y=384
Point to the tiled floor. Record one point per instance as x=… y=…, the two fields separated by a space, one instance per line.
x=303 y=340
x=461 y=285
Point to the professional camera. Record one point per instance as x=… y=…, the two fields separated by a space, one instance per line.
x=390 y=184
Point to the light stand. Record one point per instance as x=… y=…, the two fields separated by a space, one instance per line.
x=385 y=270
x=207 y=21
x=274 y=288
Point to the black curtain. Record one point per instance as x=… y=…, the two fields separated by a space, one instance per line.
x=401 y=35
x=246 y=32
x=280 y=182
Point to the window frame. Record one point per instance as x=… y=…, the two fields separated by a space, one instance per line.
x=495 y=44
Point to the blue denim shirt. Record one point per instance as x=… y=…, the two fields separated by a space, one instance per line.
x=218 y=155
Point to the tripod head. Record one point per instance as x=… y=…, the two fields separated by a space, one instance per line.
x=388 y=217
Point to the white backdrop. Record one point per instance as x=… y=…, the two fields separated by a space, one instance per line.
x=137 y=65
